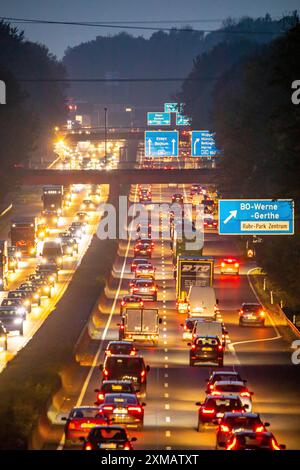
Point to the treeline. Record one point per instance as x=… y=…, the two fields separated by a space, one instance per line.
x=257 y=129
x=32 y=108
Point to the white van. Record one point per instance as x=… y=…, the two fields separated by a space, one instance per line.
x=210 y=328
x=203 y=302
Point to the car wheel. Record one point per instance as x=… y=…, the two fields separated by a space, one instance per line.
x=200 y=427
x=220 y=362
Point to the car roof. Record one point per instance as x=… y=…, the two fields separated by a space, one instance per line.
x=120 y=395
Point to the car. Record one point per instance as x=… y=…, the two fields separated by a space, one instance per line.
x=43 y=287
x=251 y=440
x=188 y=327
x=108 y=438
x=87 y=204
x=122 y=367
x=136 y=261
x=81 y=217
x=123 y=408
x=206 y=349
x=3 y=337
x=113 y=386
x=13 y=258
x=215 y=407
x=145 y=288
x=120 y=347
x=50 y=218
x=234 y=388
x=231 y=422
x=80 y=421
x=146 y=270
x=210 y=223
x=22 y=296
x=50 y=279
x=69 y=245
x=79 y=226
x=31 y=292
x=252 y=314
x=131 y=301
x=52 y=252
x=229 y=266
x=177 y=198
x=219 y=375
x=196 y=189
x=75 y=232
x=144 y=249
x=8 y=302
x=48 y=269
x=12 y=318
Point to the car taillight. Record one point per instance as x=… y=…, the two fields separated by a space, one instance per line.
x=107 y=408
x=149 y=250
x=259 y=429
x=143 y=373
x=122 y=303
x=153 y=288
x=121 y=327
x=132 y=353
x=220 y=347
x=108 y=353
x=236 y=265
x=88 y=446
x=193 y=346
x=72 y=426
x=241 y=312
x=222 y=264
x=100 y=396
x=274 y=444
x=232 y=445
x=215 y=392
x=141 y=304
x=224 y=428
x=245 y=394
x=136 y=409
x=211 y=387
x=127 y=447
x=135 y=289
x=105 y=372
x=262 y=313
x=207 y=411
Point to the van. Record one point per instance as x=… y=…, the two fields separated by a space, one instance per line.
x=210 y=328
x=53 y=252
x=203 y=302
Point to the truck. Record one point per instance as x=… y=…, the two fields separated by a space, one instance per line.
x=4 y=268
x=140 y=324
x=202 y=302
x=53 y=198
x=23 y=234
x=192 y=271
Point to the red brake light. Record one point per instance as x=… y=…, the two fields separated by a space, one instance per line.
x=72 y=425
x=88 y=446
x=108 y=408
x=275 y=446
x=220 y=347
x=127 y=447
x=245 y=394
x=143 y=373
x=123 y=303
x=207 y=411
x=132 y=353
x=137 y=409
x=141 y=303
x=236 y=265
x=193 y=346
x=105 y=372
x=259 y=429
x=100 y=396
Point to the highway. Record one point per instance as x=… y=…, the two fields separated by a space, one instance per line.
x=259 y=354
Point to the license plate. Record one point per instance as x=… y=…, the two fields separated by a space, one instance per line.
x=229 y=269
x=206 y=349
x=109 y=445
x=143 y=289
x=88 y=425
x=121 y=411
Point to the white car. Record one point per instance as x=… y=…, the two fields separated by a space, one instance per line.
x=234 y=388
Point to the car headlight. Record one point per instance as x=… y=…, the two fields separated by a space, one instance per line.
x=46 y=288
x=36 y=295
x=44 y=260
x=26 y=302
x=69 y=250
x=18 y=321
x=55 y=219
x=21 y=311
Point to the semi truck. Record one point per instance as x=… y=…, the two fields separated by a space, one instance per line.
x=53 y=198
x=192 y=271
x=140 y=324
x=23 y=234
x=4 y=268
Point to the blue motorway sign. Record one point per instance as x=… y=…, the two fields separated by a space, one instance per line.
x=158 y=119
x=256 y=216
x=161 y=144
x=173 y=107
x=182 y=120
x=203 y=144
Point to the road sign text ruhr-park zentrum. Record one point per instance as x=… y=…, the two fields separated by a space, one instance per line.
x=161 y=144
x=158 y=119
x=256 y=217
x=203 y=144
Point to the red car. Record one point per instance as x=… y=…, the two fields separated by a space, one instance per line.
x=236 y=421
x=123 y=408
x=229 y=266
x=80 y=421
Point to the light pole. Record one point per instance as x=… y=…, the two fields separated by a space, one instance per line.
x=105 y=136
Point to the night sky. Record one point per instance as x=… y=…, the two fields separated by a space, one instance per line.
x=58 y=37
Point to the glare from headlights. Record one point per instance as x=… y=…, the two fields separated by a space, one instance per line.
x=18 y=321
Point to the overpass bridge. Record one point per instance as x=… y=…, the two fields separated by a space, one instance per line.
x=75 y=136
x=117 y=176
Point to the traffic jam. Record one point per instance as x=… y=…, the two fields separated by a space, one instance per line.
x=119 y=406
x=37 y=261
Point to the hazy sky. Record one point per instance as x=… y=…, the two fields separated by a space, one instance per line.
x=58 y=37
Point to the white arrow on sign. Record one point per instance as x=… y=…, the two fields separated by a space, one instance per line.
x=149 y=146
x=233 y=214
x=195 y=143
x=173 y=146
